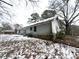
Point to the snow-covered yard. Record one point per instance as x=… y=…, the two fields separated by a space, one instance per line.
x=13 y=37
x=19 y=47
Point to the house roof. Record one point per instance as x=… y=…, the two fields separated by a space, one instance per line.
x=41 y=21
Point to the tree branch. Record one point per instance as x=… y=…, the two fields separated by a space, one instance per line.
x=74 y=18
x=6 y=12
x=6 y=3
x=75 y=21
x=74 y=11
x=64 y=16
x=67 y=10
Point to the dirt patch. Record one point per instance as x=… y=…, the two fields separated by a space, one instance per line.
x=68 y=40
x=77 y=57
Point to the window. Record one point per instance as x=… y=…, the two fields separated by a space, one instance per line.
x=35 y=29
x=30 y=28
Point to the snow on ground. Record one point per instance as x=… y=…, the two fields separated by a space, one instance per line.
x=33 y=48
x=13 y=37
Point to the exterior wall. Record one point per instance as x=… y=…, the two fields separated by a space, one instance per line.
x=41 y=29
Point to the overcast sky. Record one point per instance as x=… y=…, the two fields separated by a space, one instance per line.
x=22 y=12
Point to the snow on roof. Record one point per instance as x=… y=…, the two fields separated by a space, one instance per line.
x=41 y=21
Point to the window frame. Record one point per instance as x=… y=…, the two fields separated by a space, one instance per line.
x=35 y=28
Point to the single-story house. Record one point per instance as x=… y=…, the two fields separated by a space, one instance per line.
x=43 y=28
x=8 y=32
x=1 y=27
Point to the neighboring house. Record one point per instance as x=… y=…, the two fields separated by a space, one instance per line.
x=1 y=26
x=22 y=31
x=43 y=28
x=8 y=32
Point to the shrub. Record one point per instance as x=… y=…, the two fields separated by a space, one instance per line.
x=60 y=35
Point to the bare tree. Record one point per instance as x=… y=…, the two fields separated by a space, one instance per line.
x=69 y=12
x=6 y=26
x=4 y=13
x=17 y=27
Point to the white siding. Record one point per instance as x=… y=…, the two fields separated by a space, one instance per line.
x=41 y=29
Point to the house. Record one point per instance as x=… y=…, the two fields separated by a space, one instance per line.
x=1 y=27
x=43 y=28
x=8 y=32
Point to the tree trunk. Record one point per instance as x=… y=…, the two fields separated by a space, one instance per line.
x=68 y=29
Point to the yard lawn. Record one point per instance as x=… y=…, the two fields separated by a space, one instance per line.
x=19 y=47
